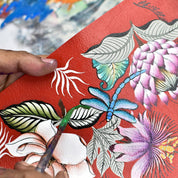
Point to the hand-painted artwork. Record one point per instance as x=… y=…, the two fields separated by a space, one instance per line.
x=31 y=21
x=115 y=86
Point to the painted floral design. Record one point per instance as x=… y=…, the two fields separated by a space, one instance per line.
x=4 y=138
x=160 y=60
x=152 y=141
x=33 y=145
x=65 y=77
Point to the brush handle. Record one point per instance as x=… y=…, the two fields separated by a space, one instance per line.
x=44 y=161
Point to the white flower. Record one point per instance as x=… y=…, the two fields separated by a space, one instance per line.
x=69 y=154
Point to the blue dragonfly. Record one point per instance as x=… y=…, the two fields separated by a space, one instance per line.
x=114 y=106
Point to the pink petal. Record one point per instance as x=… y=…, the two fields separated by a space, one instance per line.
x=70 y=149
x=145 y=47
x=147 y=67
x=173 y=50
x=144 y=120
x=150 y=58
x=143 y=56
x=143 y=129
x=46 y=130
x=139 y=92
x=81 y=170
x=145 y=80
x=156 y=44
x=146 y=99
x=152 y=97
x=133 y=69
x=155 y=72
x=136 y=79
x=171 y=43
x=152 y=85
x=128 y=158
x=131 y=133
x=163 y=97
x=25 y=144
x=148 y=107
x=175 y=91
x=133 y=84
x=141 y=166
x=173 y=95
x=137 y=53
x=162 y=51
x=173 y=58
x=152 y=48
x=139 y=64
x=169 y=66
x=159 y=60
x=166 y=45
x=131 y=149
x=134 y=61
x=161 y=41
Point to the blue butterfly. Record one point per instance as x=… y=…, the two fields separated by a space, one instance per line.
x=114 y=106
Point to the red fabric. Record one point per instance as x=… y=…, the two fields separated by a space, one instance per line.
x=117 y=20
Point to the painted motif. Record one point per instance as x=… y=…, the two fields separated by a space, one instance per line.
x=32 y=28
x=150 y=138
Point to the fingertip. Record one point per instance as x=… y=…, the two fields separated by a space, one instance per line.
x=38 y=66
x=21 y=165
x=62 y=174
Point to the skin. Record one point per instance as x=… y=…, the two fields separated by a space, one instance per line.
x=14 y=64
x=23 y=170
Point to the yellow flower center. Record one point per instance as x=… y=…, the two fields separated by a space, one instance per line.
x=169 y=148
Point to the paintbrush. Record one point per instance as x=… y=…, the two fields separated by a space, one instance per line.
x=44 y=161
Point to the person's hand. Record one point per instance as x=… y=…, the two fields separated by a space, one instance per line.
x=13 y=64
x=23 y=170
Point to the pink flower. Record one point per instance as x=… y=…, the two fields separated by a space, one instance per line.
x=160 y=60
x=152 y=141
x=69 y=154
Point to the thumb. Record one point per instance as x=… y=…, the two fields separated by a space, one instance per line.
x=19 y=61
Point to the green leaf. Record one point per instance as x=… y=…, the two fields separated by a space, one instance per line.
x=110 y=73
x=25 y=117
x=83 y=116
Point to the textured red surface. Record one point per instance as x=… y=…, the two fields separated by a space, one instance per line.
x=116 y=20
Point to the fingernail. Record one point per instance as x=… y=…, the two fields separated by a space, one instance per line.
x=49 y=61
x=2 y=170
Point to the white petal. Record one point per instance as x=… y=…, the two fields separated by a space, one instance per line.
x=70 y=149
x=32 y=158
x=25 y=144
x=46 y=130
x=81 y=170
